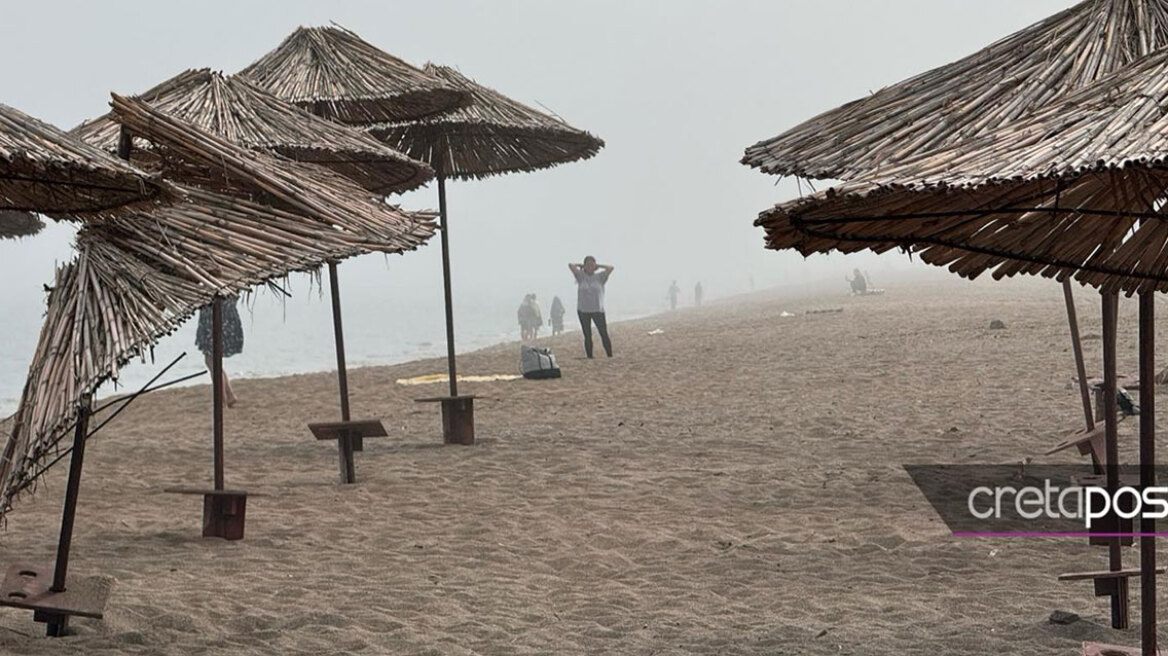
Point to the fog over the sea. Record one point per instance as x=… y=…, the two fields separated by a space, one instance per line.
x=677 y=89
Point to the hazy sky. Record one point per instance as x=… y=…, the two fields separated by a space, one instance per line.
x=677 y=88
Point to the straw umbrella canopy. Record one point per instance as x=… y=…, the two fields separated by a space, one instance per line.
x=333 y=73
x=975 y=95
x=19 y=224
x=492 y=135
x=42 y=169
x=1077 y=189
x=233 y=108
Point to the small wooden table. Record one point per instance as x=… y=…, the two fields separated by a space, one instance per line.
x=224 y=511
x=347 y=434
x=457 y=418
x=29 y=587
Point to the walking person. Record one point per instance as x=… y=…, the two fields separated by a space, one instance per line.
x=674 y=292
x=536 y=316
x=557 y=316
x=698 y=294
x=526 y=317
x=590 y=281
x=232 y=340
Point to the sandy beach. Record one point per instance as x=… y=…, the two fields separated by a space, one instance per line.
x=731 y=486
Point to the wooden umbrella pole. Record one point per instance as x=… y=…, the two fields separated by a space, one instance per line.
x=346 y=444
x=1119 y=601
x=1148 y=611
x=339 y=333
x=1077 y=346
x=72 y=489
x=446 y=283
x=217 y=386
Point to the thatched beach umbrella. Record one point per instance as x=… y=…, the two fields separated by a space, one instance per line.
x=238 y=111
x=42 y=169
x=333 y=73
x=19 y=224
x=1076 y=190
x=493 y=135
x=991 y=88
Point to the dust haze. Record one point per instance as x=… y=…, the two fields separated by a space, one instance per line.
x=676 y=88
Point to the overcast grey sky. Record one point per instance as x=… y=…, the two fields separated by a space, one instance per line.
x=677 y=88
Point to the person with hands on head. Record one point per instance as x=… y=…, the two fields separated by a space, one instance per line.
x=590 y=281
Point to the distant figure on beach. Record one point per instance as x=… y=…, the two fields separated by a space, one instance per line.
x=557 y=318
x=232 y=340
x=590 y=281
x=698 y=295
x=530 y=319
x=858 y=282
x=674 y=292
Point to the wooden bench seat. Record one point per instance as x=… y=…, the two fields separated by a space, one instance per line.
x=348 y=435
x=28 y=587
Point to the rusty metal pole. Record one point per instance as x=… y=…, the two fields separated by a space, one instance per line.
x=1119 y=599
x=1148 y=611
x=446 y=283
x=217 y=386
x=69 y=513
x=1077 y=346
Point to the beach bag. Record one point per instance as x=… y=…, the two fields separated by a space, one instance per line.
x=537 y=363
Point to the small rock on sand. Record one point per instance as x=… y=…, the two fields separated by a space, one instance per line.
x=1063 y=617
x=997 y=324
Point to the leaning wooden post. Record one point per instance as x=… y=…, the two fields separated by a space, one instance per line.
x=1148 y=612
x=58 y=624
x=1119 y=597
x=1077 y=346
x=346 y=445
x=217 y=388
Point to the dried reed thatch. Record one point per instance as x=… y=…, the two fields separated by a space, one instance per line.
x=493 y=134
x=971 y=97
x=200 y=159
x=136 y=278
x=140 y=273
x=19 y=224
x=45 y=170
x=236 y=110
x=1076 y=189
x=333 y=73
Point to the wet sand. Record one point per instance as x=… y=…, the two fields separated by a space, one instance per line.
x=731 y=486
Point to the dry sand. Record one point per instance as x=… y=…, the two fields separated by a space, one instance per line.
x=733 y=486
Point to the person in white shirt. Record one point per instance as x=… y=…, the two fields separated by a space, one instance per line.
x=590 y=281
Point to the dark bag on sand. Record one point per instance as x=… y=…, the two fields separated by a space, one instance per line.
x=537 y=363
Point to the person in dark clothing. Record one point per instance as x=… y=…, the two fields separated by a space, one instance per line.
x=590 y=281
x=232 y=340
x=557 y=316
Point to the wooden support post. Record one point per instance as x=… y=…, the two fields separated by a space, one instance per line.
x=58 y=624
x=1119 y=599
x=356 y=443
x=446 y=285
x=1148 y=611
x=217 y=388
x=1077 y=347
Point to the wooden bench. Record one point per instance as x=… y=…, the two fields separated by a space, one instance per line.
x=1088 y=442
x=224 y=511
x=347 y=434
x=29 y=587
x=457 y=418
x=1107 y=583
